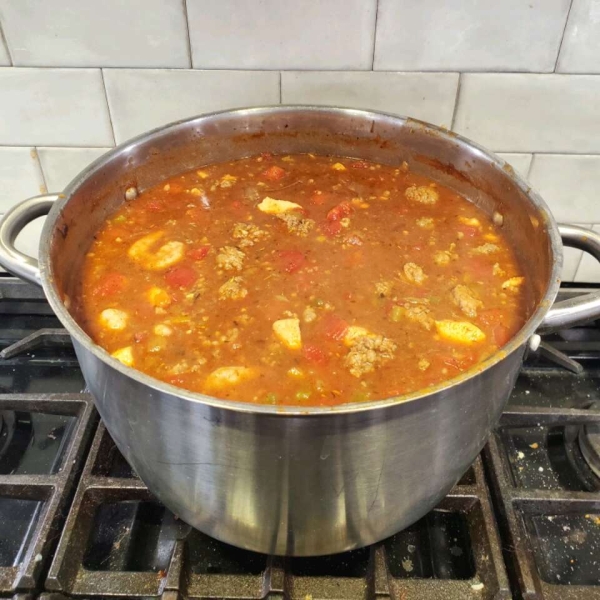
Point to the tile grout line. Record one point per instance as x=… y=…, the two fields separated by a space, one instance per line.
x=40 y=168
x=456 y=99
x=562 y=37
x=110 y=119
x=533 y=155
x=375 y=35
x=4 y=41
x=187 y=30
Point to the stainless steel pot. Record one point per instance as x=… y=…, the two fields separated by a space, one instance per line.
x=298 y=480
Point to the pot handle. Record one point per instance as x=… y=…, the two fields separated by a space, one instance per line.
x=21 y=265
x=583 y=308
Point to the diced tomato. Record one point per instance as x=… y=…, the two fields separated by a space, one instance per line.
x=314 y=354
x=343 y=209
x=490 y=317
x=112 y=284
x=468 y=231
x=317 y=199
x=155 y=206
x=181 y=277
x=501 y=335
x=140 y=336
x=199 y=253
x=459 y=363
x=334 y=327
x=237 y=205
x=274 y=173
x=331 y=228
x=360 y=164
x=292 y=260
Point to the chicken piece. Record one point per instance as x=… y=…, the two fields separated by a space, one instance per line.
x=277 y=207
x=230 y=258
x=113 y=318
x=498 y=270
x=166 y=256
x=425 y=223
x=248 y=234
x=125 y=355
x=422 y=193
x=485 y=249
x=224 y=377
x=296 y=224
x=465 y=300
x=423 y=364
x=309 y=315
x=384 y=288
x=158 y=297
x=369 y=352
x=513 y=284
x=287 y=331
x=419 y=313
x=233 y=289
x=459 y=332
x=414 y=273
x=354 y=333
x=338 y=167
x=443 y=257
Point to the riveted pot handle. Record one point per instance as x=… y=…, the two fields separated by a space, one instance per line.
x=21 y=265
x=583 y=308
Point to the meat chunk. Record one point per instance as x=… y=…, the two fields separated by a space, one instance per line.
x=419 y=313
x=296 y=224
x=424 y=364
x=247 y=234
x=498 y=270
x=233 y=289
x=465 y=300
x=369 y=352
x=414 y=273
x=443 y=257
x=230 y=258
x=422 y=193
x=485 y=249
x=384 y=289
x=425 y=223
x=309 y=314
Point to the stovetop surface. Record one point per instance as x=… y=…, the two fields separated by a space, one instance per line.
x=76 y=521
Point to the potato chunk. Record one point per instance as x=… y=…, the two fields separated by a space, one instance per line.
x=513 y=284
x=113 y=318
x=288 y=333
x=277 y=207
x=459 y=332
x=158 y=297
x=125 y=355
x=227 y=376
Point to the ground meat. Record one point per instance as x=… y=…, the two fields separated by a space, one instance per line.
x=368 y=352
x=230 y=258
x=465 y=300
x=485 y=249
x=233 y=289
x=425 y=222
x=248 y=234
x=424 y=364
x=309 y=314
x=443 y=257
x=419 y=314
x=498 y=270
x=384 y=288
x=296 y=224
x=422 y=193
x=414 y=273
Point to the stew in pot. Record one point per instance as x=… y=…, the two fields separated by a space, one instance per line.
x=301 y=279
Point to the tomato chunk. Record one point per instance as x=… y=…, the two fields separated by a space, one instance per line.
x=292 y=260
x=331 y=228
x=199 y=253
x=181 y=277
x=314 y=354
x=112 y=284
x=274 y=173
x=337 y=213
x=501 y=335
x=334 y=327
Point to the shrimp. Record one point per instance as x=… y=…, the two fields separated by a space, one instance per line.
x=166 y=256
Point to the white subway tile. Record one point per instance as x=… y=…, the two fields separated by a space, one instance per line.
x=580 y=50
x=470 y=35
x=87 y=33
x=426 y=96
x=589 y=268
x=143 y=99
x=53 y=107
x=4 y=57
x=520 y=162
x=282 y=34
x=570 y=185
x=20 y=176
x=61 y=165
x=530 y=113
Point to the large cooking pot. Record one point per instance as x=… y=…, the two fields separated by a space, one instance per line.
x=298 y=480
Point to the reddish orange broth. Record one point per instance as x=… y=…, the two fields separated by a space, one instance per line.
x=370 y=246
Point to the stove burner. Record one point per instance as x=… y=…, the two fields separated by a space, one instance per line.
x=589 y=443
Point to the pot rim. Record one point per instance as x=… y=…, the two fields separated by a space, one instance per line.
x=521 y=338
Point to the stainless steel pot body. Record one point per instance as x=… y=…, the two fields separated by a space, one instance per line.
x=297 y=480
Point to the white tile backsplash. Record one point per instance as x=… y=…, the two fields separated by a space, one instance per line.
x=472 y=35
x=530 y=113
x=4 y=57
x=580 y=50
x=426 y=96
x=569 y=184
x=282 y=34
x=88 y=33
x=143 y=99
x=20 y=176
x=53 y=107
x=519 y=162
x=589 y=268
x=61 y=165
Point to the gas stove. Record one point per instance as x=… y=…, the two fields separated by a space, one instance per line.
x=77 y=522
